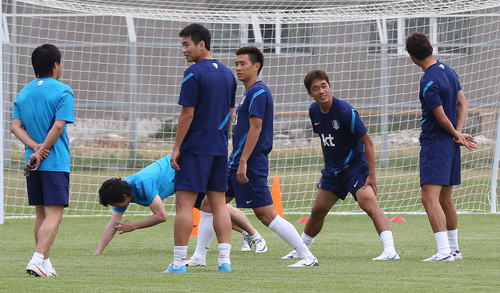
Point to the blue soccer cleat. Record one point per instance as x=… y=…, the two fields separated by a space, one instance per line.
x=172 y=270
x=225 y=267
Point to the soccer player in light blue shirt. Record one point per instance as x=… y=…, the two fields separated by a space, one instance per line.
x=42 y=110
x=349 y=163
x=444 y=110
x=148 y=187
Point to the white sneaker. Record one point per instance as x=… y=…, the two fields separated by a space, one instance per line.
x=438 y=257
x=52 y=273
x=36 y=270
x=193 y=263
x=260 y=245
x=246 y=244
x=291 y=255
x=457 y=254
x=305 y=263
x=387 y=256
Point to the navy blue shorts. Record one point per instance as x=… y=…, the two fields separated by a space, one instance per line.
x=440 y=163
x=349 y=180
x=254 y=194
x=48 y=188
x=200 y=173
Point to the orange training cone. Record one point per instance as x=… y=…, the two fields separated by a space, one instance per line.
x=196 y=222
x=276 y=195
x=398 y=219
x=303 y=220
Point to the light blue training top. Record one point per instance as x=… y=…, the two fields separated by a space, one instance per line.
x=155 y=179
x=39 y=104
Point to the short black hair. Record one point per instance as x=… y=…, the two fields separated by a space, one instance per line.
x=198 y=33
x=418 y=45
x=254 y=54
x=43 y=59
x=312 y=75
x=112 y=191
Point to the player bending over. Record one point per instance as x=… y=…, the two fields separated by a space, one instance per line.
x=147 y=187
x=349 y=163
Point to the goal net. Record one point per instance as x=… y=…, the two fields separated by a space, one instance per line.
x=124 y=62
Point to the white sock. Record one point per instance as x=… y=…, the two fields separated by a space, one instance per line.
x=245 y=233
x=287 y=232
x=308 y=240
x=442 y=243
x=37 y=258
x=256 y=236
x=47 y=264
x=388 y=241
x=206 y=234
x=180 y=254
x=453 y=239
x=224 y=253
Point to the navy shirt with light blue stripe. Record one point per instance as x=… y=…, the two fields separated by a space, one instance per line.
x=257 y=102
x=438 y=87
x=339 y=131
x=210 y=87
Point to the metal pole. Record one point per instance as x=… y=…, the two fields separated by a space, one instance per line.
x=494 y=173
x=384 y=92
x=133 y=93
x=1 y=111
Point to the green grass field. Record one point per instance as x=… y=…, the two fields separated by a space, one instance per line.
x=134 y=262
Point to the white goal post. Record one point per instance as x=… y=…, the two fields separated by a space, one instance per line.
x=124 y=62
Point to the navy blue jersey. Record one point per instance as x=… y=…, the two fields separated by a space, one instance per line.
x=210 y=87
x=438 y=87
x=258 y=102
x=339 y=130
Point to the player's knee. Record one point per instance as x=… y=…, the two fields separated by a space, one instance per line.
x=205 y=206
x=265 y=219
x=370 y=207
x=319 y=213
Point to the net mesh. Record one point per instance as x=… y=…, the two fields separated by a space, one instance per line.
x=124 y=62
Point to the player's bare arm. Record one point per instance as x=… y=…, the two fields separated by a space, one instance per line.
x=370 y=159
x=109 y=232
x=462 y=107
x=185 y=119
x=52 y=137
x=252 y=138
x=18 y=130
x=159 y=216
x=231 y=117
x=460 y=138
